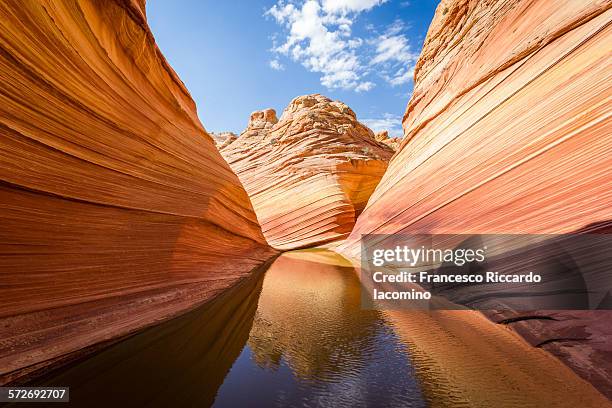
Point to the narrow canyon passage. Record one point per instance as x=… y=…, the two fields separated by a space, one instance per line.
x=296 y=335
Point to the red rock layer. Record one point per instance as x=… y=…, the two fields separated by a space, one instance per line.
x=310 y=174
x=508 y=129
x=117 y=209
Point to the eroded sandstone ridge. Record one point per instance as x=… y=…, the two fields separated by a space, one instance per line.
x=508 y=131
x=117 y=209
x=309 y=174
x=223 y=139
x=383 y=136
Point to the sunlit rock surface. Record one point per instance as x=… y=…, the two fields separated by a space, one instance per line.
x=223 y=139
x=383 y=136
x=117 y=209
x=508 y=131
x=309 y=174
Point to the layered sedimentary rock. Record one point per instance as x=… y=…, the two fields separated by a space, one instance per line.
x=309 y=174
x=117 y=209
x=383 y=136
x=196 y=351
x=508 y=131
x=223 y=139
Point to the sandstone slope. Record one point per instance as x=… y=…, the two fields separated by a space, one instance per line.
x=508 y=129
x=309 y=174
x=117 y=209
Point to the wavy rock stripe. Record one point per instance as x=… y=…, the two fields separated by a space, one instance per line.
x=117 y=211
x=508 y=129
x=310 y=174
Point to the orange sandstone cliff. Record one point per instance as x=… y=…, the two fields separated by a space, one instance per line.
x=309 y=174
x=117 y=209
x=508 y=129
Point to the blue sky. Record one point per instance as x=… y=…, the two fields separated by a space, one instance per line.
x=244 y=55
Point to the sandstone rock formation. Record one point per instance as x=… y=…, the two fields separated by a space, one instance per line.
x=309 y=174
x=223 y=139
x=117 y=209
x=508 y=131
x=383 y=136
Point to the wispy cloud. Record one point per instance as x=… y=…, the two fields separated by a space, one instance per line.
x=276 y=65
x=365 y=86
x=388 y=121
x=319 y=37
x=318 y=34
x=348 y=6
x=394 y=56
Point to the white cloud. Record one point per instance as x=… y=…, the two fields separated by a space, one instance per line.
x=394 y=56
x=347 y=6
x=318 y=35
x=392 y=48
x=365 y=86
x=388 y=121
x=276 y=65
x=400 y=77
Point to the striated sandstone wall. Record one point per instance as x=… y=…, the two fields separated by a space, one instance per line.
x=310 y=174
x=117 y=209
x=508 y=129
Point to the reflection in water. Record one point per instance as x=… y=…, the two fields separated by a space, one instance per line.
x=178 y=363
x=464 y=360
x=312 y=345
x=299 y=337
